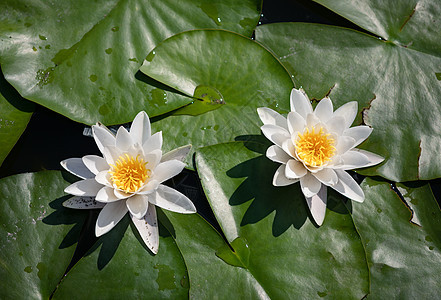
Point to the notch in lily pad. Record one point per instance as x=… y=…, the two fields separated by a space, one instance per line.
x=206 y=98
x=239 y=257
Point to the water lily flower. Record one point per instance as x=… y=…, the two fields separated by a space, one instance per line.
x=128 y=179
x=316 y=147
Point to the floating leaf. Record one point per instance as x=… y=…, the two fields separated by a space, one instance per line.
x=395 y=85
x=231 y=67
x=90 y=74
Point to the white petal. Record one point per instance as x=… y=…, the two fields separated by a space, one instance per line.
x=354 y=160
x=153 y=143
x=359 y=133
x=178 y=153
x=171 y=199
x=310 y=185
x=374 y=159
x=348 y=187
x=109 y=216
x=95 y=163
x=111 y=154
x=123 y=139
x=312 y=120
x=275 y=134
x=106 y=194
x=326 y=176
x=167 y=170
x=121 y=194
x=103 y=178
x=317 y=205
x=137 y=205
x=336 y=125
x=153 y=158
x=295 y=122
x=148 y=228
x=103 y=136
x=140 y=130
x=348 y=111
x=324 y=109
x=289 y=147
x=300 y=102
x=150 y=187
x=80 y=202
x=87 y=187
x=269 y=116
x=295 y=169
x=77 y=167
x=277 y=154
x=280 y=179
x=344 y=144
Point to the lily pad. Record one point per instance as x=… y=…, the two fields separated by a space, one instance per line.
x=90 y=74
x=36 y=246
x=288 y=255
x=236 y=69
x=403 y=244
x=15 y=113
x=396 y=86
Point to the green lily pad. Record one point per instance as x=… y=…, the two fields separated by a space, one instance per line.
x=288 y=255
x=395 y=85
x=36 y=246
x=231 y=67
x=81 y=58
x=15 y=113
x=403 y=244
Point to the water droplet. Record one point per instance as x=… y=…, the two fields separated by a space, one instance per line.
x=47 y=47
x=438 y=75
x=210 y=9
x=104 y=109
x=134 y=59
x=115 y=29
x=239 y=257
x=108 y=50
x=428 y=239
x=159 y=97
x=150 y=56
x=322 y=294
x=93 y=78
x=184 y=282
x=216 y=127
x=20 y=253
x=41 y=269
x=42 y=37
x=45 y=76
x=27 y=24
x=185 y=134
x=166 y=277
x=33 y=48
x=28 y=269
x=431 y=247
x=379 y=210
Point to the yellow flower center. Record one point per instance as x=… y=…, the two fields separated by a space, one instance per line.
x=315 y=148
x=129 y=173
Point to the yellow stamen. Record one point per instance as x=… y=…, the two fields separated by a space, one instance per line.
x=129 y=173
x=315 y=148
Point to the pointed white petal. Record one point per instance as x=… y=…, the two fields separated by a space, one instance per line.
x=295 y=169
x=150 y=187
x=336 y=125
x=79 y=202
x=269 y=116
x=178 y=153
x=326 y=176
x=289 y=148
x=153 y=158
x=123 y=139
x=295 y=122
x=310 y=185
x=344 y=143
x=95 y=163
x=153 y=143
x=277 y=154
x=87 y=187
x=140 y=130
x=324 y=110
x=348 y=187
x=348 y=111
x=280 y=179
x=111 y=154
x=167 y=170
x=312 y=120
x=317 y=205
x=137 y=205
x=171 y=199
x=275 y=134
x=77 y=167
x=106 y=194
x=103 y=136
x=354 y=160
x=103 y=178
x=300 y=102
x=374 y=159
x=148 y=228
x=109 y=216
x=359 y=133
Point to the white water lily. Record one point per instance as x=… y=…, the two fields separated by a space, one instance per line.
x=128 y=179
x=316 y=147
